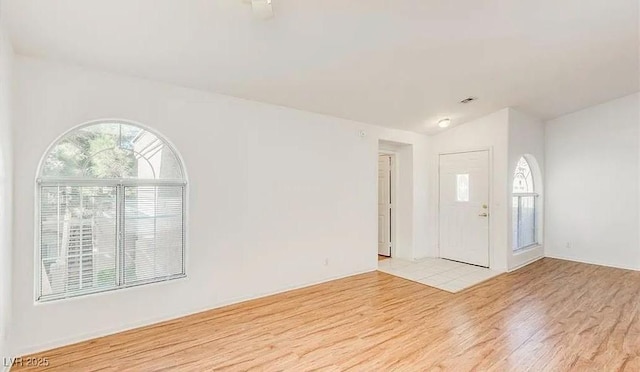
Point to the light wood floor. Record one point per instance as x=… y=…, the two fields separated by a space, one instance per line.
x=549 y=316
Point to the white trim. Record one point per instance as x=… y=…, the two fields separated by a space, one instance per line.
x=394 y=202
x=386 y=152
x=107 y=292
x=84 y=294
x=108 y=182
x=526 y=248
x=525 y=194
x=472 y=149
x=573 y=259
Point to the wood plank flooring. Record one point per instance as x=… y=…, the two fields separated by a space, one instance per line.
x=552 y=315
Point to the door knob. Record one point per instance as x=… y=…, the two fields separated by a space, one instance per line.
x=483 y=215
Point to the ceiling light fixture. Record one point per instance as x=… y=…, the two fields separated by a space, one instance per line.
x=444 y=123
x=262 y=9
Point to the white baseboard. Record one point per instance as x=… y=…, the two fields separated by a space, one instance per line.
x=574 y=259
x=147 y=322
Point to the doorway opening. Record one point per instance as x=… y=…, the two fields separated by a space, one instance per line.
x=464 y=207
x=386 y=190
x=395 y=200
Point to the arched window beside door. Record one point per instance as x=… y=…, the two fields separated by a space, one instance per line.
x=111 y=211
x=525 y=206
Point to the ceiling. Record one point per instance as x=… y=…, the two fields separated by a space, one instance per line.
x=402 y=63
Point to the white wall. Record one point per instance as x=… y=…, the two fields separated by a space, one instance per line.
x=6 y=57
x=526 y=137
x=274 y=193
x=489 y=132
x=592 y=193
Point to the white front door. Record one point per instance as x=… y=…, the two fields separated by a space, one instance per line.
x=464 y=207
x=384 y=205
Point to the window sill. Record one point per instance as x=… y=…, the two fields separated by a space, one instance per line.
x=110 y=291
x=527 y=248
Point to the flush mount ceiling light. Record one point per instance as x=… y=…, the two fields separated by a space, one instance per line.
x=262 y=9
x=443 y=123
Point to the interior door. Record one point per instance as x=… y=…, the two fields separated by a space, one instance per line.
x=384 y=205
x=464 y=207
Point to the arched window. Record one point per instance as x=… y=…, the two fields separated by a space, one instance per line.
x=524 y=207
x=111 y=211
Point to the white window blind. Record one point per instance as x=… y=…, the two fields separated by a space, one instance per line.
x=524 y=206
x=153 y=233
x=524 y=221
x=77 y=240
x=111 y=212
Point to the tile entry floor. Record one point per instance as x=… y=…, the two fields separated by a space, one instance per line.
x=443 y=274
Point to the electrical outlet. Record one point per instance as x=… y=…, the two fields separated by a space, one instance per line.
x=569 y=245
x=326 y=262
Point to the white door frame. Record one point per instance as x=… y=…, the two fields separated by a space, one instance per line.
x=490 y=153
x=393 y=175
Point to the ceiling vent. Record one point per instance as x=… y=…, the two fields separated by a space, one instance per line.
x=468 y=100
